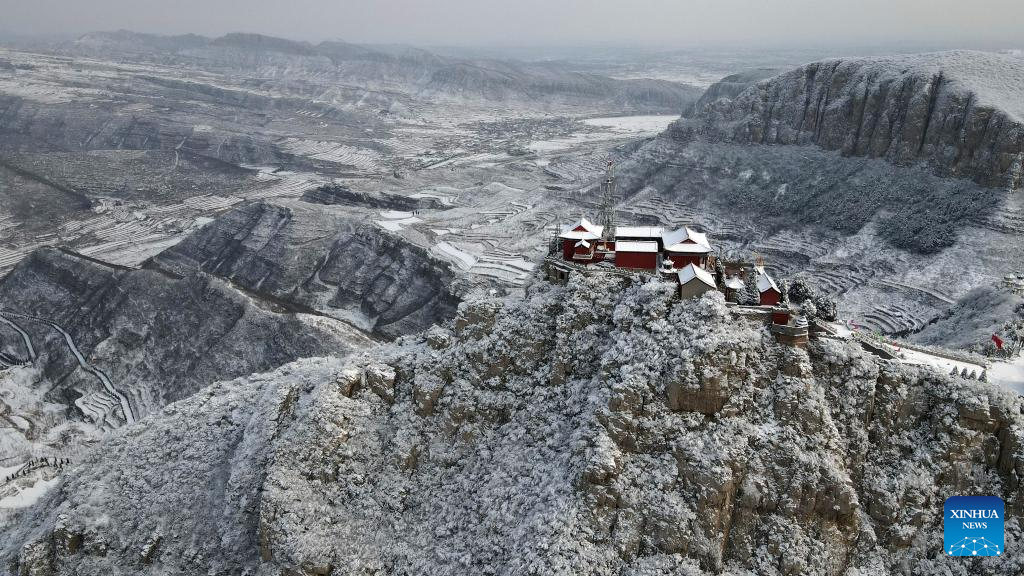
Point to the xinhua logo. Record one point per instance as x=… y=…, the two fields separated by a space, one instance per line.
x=973 y=526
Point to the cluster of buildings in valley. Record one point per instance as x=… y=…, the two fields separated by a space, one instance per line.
x=684 y=255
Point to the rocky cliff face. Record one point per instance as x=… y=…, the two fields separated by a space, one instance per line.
x=730 y=87
x=596 y=428
x=959 y=112
x=879 y=180
x=316 y=258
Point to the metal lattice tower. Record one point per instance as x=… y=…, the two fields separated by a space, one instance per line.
x=608 y=203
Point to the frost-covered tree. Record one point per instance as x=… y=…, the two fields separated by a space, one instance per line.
x=827 y=308
x=799 y=291
x=784 y=288
x=750 y=296
x=809 y=310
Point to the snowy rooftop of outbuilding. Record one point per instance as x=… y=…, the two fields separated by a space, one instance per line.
x=691 y=273
x=676 y=241
x=590 y=231
x=628 y=246
x=639 y=231
x=734 y=283
x=765 y=283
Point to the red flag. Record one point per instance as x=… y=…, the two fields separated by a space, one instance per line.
x=998 y=341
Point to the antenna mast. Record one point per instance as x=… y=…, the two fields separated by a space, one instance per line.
x=608 y=202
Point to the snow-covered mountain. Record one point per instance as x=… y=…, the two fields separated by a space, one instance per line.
x=424 y=74
x=325 y=258
x=894 y=182
x=109 y=345
x=602 y=427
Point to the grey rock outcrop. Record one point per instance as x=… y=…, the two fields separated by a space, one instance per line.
x=158 y=338
x=572 y=458
x=334 y=194
x=959 y=112
x=730 y=87
x=329 y=261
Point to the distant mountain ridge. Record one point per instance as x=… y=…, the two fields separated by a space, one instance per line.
x=421 y=71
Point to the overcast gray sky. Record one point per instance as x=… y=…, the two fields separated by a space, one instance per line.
x=663 y=23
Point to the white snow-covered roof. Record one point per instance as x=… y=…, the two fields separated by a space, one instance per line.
x=676 y=241
x=734 y=283
x=689 y=248
x=583 y=243
x=765 y=283
x=582 y=230
x=628 y=246
x=691 y=273
x=639 y=231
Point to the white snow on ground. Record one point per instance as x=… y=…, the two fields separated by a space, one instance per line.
x=995 y=79
x=29 y=496
x=937 y=362
x=397 y=225
x=1008 y=374
x=499 y=188
x=396 y=220
x=429 y=194
x=8 y=470
x=463 y=259
x=634 y=124
x=361 y=158
x=614 y=127
x=841 y=330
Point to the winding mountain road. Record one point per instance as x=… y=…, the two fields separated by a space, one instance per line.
x=24 y=336
x=126 y=408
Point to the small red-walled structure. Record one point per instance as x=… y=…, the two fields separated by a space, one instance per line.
x=770 y=293
x=580 y=242
x=637 y=255
x=685 y=246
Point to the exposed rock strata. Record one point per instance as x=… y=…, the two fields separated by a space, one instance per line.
x=960 y=112
x=329 y=261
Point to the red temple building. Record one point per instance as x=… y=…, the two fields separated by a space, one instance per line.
x=684 y=254
x=770 y=293
x=685 y=246
x=580 y=242
x=640 y=255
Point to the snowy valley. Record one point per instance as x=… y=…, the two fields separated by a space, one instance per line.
x=280 y=307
